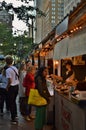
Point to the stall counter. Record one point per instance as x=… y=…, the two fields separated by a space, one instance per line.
x=68 y=114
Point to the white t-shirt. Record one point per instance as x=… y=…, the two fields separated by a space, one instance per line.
x=10 y=73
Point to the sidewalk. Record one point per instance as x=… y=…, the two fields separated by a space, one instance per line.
x=5 y=123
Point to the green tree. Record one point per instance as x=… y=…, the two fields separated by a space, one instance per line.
x=5 y=39
x=23 y=45
x=18 y=45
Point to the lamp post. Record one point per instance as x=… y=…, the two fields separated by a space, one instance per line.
x=14 y=52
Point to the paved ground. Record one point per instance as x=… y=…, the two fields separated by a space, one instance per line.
x=22 y=123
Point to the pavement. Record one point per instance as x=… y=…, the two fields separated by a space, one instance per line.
x=5 y=123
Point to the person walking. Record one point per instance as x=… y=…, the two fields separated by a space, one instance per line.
x=12 y=87
x=28 y=83
x=3 y=91
x=40 y=81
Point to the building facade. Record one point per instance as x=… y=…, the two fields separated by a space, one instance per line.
x=54 y=13
x=69 y=5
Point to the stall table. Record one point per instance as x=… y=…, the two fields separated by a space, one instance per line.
x=69 y=114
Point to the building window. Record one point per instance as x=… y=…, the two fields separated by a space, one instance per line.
x=53 y=17
x=53 y=0
x=53 y=13
x=53 y=9
x=53 y=21
x=53 y=4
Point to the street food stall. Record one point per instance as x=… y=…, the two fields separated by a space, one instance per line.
x=68 y=103
x=70 y=100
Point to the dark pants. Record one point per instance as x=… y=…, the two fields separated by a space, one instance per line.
x=28 y=108
x=13 y=92
x=23 y=105
x=25 y=108
x=4 y=98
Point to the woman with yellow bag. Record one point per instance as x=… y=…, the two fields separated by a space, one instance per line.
x=41 y=86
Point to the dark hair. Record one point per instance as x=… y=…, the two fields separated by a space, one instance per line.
x=6 y=67
x=40 y=71
x=69 y=62
x=9 y=60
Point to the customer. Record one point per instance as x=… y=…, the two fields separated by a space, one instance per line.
x=40 y=81
x=28 y=83
x=12 y=87
x=28 y=63
x=3 y=91
x=22 y=99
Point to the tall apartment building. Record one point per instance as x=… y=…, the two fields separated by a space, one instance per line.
x=69 y=5
x=54 y=11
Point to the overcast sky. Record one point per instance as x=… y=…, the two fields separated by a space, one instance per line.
x=18 y=24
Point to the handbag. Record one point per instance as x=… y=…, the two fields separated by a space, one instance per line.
x=36 y=99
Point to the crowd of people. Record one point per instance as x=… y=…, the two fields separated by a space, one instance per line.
x=18 y=82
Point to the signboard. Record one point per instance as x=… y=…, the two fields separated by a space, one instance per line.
x=62 y=27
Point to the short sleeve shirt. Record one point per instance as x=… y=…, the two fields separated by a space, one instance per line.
x=10 y=73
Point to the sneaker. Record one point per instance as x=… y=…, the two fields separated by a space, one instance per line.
x=27 y=118
x=14 y=122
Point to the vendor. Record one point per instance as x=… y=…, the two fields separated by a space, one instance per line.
x=69 y=76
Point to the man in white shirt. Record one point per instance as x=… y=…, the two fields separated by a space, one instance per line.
x=12 y=87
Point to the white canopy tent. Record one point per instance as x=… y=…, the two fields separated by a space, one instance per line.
x=71 y=46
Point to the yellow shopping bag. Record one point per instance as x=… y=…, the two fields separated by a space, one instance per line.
x=36 y=99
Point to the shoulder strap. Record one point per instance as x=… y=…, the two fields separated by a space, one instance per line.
x=15 y=72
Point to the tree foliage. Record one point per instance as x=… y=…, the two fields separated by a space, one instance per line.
x=23 y=12
x=23 y=44
x=5 y=38
x=8 y=42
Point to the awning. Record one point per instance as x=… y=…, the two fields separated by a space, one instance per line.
x=77 y=44
x=62 y=26
x=61 y=49
x=71 y=46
